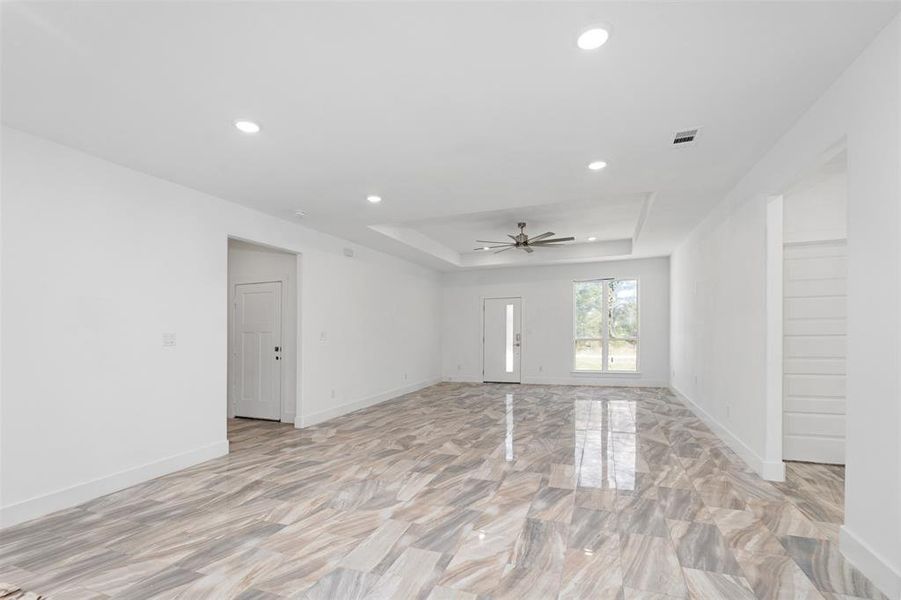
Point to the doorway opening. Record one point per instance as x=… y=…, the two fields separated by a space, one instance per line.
x=501 y=340
x=814 y=315
x=806 y=299
x=262 y=333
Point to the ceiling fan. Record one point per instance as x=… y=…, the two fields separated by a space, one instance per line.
x=524 y=242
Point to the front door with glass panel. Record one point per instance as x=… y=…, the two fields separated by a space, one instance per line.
x=501 y=340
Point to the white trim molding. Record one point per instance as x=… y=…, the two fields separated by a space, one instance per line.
x=774 y=335
x=869 y=562
x=462 y=379
x=579 y=378
x=599 y=379
x=769 y=470
x=88 y=490
x=349 y=407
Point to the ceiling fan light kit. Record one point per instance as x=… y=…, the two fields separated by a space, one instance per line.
x=524 y=242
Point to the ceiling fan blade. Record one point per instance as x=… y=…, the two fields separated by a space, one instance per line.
x=510 y=247
x=540 y=237
x=527 y=249
x=512 y=237
x=551 y=241
x=489 y=242
x=492 y=247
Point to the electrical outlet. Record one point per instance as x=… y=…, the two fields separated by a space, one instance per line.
x=405 y=376
x=459 y=367
x=333 y=393
x=541 y=368
x=168 y=340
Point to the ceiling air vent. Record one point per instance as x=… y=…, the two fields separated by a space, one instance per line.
x=685 y=137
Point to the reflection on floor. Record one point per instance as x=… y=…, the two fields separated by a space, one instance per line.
x=457 y=491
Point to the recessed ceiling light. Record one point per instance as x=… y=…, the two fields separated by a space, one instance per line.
x=597 y=165
x=592 y=39
x=485 y=248
x=300 y=213
x=247 y=126
x=592 y=239
x=374 y=199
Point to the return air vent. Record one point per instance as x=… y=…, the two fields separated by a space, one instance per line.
x=685 y=137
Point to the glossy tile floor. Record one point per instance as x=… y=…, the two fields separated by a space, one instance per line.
x=458 y=491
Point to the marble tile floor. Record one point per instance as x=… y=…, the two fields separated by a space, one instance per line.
x=458 y=491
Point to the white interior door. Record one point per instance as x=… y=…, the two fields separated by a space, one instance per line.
x=815 y=289
x=258 y=350
x=502 y=339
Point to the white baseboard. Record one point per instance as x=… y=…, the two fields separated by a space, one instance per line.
x=349 y=407
x=597 y=380
x=769 y=470
x=82 y=492
x=463 y=379
x=875 y=566
x=612 y=380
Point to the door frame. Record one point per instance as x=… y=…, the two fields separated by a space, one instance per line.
x=522 y=333
x=285 y=416
x=773 y=465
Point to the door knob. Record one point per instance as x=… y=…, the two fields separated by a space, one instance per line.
x=276 y=348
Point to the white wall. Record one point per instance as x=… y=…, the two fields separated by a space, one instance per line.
x=818 y=210
x=718 y=349
x=723 y=264
x=252 y=263
x=548 y=320
x=99 y=260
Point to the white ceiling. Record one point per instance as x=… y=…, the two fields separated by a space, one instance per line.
x=465 y=117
